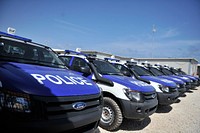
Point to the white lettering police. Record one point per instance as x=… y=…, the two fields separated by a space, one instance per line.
x=166 y=80
x=56 y=79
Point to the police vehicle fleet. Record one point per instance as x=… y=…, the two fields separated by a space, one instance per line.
x=180 y=72
x=194 y=80
x=160 y=71
x=38 y=93
x=167 y=90
x=181 y=85
x=128 y=98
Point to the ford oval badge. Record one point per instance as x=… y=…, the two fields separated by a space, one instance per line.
x=79 y=105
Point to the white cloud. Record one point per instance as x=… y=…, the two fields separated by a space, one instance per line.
x=172 y=32
x=164 y=49
x=74 y=27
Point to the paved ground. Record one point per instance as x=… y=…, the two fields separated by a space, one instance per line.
x=180 y=117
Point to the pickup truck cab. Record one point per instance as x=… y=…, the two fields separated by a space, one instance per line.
x=39 y=94
x=127 y=98
x=167 y=90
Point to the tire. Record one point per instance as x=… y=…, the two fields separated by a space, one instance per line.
x=111 y=117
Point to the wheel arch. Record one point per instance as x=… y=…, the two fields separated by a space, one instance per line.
x=107 y=94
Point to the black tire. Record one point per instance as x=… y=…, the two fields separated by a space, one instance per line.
x=111 y=117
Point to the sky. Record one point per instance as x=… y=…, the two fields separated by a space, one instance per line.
x=119 y=27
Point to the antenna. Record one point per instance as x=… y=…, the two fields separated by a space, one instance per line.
x=154 y=28
x=153 y=31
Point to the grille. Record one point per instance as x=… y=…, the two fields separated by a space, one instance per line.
x=149 y=95
x=61 y=107
x=188 y=83
x=182 y=85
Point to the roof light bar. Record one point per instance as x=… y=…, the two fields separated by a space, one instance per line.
x=131 y=63
x=15 y=37
x=90 y=57
x=146 y=64
x=112 y=59
x=74 y=52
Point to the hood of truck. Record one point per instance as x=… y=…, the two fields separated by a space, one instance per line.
x=185 y=79
x=176 y=80
x=161 y=81
x=130 y=83
x=190 y=77
x=44 y=81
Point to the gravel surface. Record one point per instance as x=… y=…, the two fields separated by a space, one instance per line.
x=180 y=117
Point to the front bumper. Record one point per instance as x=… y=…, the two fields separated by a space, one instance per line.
x=182 y=90
x=133 y=110
x=87 y=122
x=54 y=114
x=167 y=98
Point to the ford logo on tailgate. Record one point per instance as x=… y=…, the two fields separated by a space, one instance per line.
x=79 y=105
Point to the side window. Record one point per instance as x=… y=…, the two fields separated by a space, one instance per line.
x=78 y=63
x=47 y=57
x=120 y=67
x=66 y=60
x=117 y=66
x=124 y=68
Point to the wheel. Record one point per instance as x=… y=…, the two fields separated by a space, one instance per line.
x=111 y=117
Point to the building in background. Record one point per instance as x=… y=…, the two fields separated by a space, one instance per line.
x=198 y=70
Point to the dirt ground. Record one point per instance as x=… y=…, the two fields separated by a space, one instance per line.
x=180 y=117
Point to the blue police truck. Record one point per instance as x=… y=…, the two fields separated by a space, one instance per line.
x=160 y=71
x=167 y=91
x=127 y=98
x=38 y=93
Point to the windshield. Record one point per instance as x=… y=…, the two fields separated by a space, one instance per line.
x=28 y=53
x=166 y=71
x=155 y=71
x=175 y=71
x=140 y=71
x=106 y=68
x=182 y=73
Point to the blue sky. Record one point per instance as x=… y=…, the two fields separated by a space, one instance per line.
x=119 y=27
